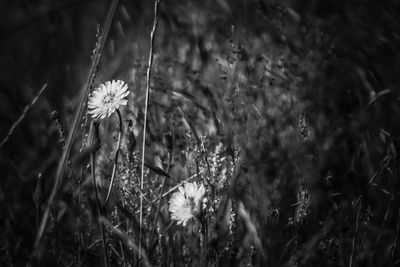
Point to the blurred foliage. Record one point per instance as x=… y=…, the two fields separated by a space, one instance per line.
x=285 y=110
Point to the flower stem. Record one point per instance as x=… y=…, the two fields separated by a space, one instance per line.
x=94 y=130
x=115 y=160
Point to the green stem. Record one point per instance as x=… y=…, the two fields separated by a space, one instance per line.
x=115 y=160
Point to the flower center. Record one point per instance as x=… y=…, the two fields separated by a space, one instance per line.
x=192 y=205
x=109 y=97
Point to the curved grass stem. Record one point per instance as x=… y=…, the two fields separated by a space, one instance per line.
x=115 y=160
x=94 y=130
x=94 y=139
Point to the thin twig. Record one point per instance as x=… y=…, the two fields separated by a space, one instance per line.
x=353 y=243
x=115 y=160
x=122 y=254
x=173 y=188
x=77 y=117
x=155 y=22
x=22 y=116
x=178 y=185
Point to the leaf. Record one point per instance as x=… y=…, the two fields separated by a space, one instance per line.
x=157 y=170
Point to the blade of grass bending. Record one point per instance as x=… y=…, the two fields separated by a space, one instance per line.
x=157 y=170
x=148 y=76
x=78 y=115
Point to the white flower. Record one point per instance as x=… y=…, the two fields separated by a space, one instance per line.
x=187 y=202
x=107 y=98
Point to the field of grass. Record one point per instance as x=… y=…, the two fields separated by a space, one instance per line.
x=199 y=133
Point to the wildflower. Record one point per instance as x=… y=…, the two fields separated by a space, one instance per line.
x=107 y=98
x=187 y=202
